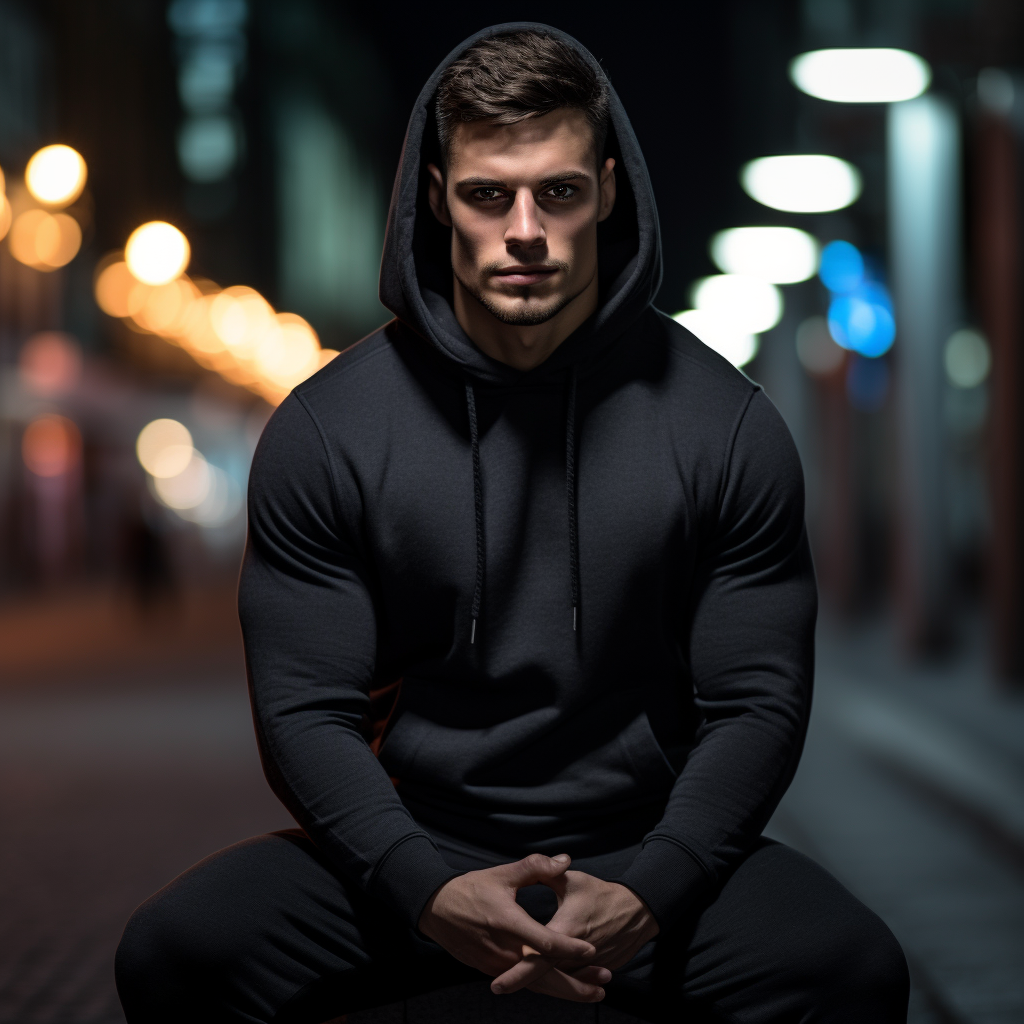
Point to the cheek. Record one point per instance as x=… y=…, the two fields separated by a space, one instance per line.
x=575 y=236
x=469 y=243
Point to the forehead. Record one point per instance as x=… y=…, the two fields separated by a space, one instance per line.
x=552 y=143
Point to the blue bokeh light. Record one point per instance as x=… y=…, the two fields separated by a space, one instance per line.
x=863 y=321
x=841 y=268
x=860 y=315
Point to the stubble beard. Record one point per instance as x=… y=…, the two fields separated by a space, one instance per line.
x=522 y=316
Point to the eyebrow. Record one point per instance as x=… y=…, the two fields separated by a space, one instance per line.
x=551 y=179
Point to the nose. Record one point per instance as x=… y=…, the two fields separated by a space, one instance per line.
x=524 y=228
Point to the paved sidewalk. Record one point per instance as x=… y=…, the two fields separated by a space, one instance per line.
x=105 y=798
x=909 y=792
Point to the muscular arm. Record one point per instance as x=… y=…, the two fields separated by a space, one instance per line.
x=750 y=643
x=310 y=643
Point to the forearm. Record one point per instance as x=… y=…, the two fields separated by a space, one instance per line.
x=334 y=787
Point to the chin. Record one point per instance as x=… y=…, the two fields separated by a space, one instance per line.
x=518 y=313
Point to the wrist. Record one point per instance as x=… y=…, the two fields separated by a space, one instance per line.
x=427 y=915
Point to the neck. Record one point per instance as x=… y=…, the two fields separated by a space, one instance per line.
x=521 y=347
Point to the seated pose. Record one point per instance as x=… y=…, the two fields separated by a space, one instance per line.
x=528 y=612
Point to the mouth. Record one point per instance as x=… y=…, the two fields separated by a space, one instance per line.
x=527 y=275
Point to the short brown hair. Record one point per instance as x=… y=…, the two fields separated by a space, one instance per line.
x=507 y=79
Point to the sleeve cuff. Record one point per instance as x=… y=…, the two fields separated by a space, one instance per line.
x=668 y=879
x=410 y=873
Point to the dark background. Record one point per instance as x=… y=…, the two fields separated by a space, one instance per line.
x=126 y=750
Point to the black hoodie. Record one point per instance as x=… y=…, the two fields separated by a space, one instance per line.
x=591 y=578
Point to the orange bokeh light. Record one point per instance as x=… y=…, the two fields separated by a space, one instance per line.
x=51 y=446
x=50 y=363
x=45 y=241
x=6 y=215
x=233 y=331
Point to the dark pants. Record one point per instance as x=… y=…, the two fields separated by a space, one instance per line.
x=267 y=931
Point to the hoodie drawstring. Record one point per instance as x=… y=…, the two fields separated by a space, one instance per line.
x=570 y=488
x=478 y=508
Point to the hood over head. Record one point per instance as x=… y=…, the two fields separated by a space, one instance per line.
x=416 y=274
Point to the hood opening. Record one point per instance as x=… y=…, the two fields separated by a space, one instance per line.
x=416 y=276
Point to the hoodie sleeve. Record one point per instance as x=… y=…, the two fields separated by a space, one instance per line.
x=751 y=654
x=309 y=629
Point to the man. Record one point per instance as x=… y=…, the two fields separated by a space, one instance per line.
x=560 y=543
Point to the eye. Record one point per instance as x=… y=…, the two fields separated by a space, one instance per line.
x=488 y=195
x=561 y=192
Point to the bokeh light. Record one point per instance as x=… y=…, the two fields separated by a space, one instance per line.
x=50 y=363
x=861 y=75
x=189 y=487
x=842 y=267
x=157 y=252
x=736 y=346
x=746 y=304
x=863 y=321
x=164 y=448
x=233 y=331
x=56 y=175
x=223 y=500
x=6 y=216
x=163 y=309
x=51 y=446
x=241 y=317
x=778 y=255
x=113 y=288
x=816 y=349
x=807 y=183
x=44 y=241
x=967 y=358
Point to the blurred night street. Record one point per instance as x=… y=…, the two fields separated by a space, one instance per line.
x=909 y=791
x=193 y=203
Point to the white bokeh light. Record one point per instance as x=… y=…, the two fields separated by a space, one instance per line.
x=736 y=346
x=967 y=358
x=777 y=255
x=189 y=488
x=861 y=75
x=748 y=305
x=805 y=183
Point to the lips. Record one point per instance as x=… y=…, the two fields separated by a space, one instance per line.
x=525 y=275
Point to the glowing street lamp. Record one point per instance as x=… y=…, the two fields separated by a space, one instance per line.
x=778 y=255
x=749 y=304
x=805 y=183
x=56 y=175
x=736 y=345
x=861 y=75
x=164 y=448
x=157 y=252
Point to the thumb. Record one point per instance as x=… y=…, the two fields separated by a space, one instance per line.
x=535 y=868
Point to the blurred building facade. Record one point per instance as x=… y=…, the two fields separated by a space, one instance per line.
x=268 y=133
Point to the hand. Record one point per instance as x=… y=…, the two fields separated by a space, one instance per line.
x=475 y=917
x=608 y=915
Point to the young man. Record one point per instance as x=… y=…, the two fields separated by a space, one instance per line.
x=560 y=543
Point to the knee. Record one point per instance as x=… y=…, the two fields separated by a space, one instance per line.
x=865 y=973
x=158 y=965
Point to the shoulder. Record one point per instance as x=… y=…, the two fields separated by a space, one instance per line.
x=699 y=367
x=372 y=356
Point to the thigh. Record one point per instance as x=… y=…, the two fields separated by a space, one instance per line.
x=267 y=930
x=781 y=941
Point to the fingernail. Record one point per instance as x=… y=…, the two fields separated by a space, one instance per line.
x=561 y=858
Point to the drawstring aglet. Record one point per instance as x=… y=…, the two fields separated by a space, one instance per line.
x=574 y=618
x=472 y=633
